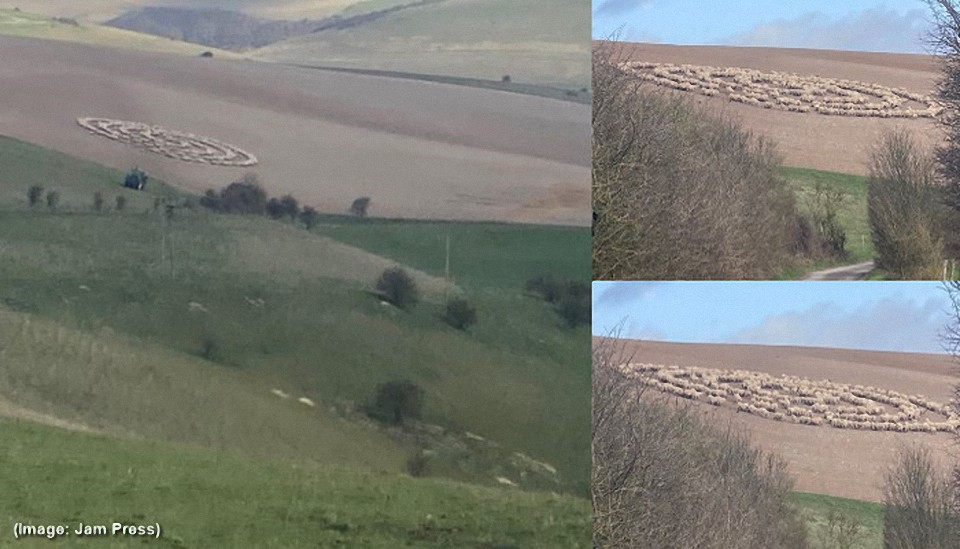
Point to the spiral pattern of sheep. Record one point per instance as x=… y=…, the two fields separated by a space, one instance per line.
x=187 y=147
x=789 y=92
x=799 y=400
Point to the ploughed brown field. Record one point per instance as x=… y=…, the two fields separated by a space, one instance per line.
x=822 y=459
x=418 y=149
x=810 y=140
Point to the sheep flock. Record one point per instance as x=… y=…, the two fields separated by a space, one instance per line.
x=787 y=91
x=800 y=400
x=170 y=143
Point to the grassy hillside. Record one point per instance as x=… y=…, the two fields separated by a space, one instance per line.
x=489 y=256
x=816 y=509
x=19 y=23
x=531 y=41
x=51 y=476
x=852 y=211
x=263 y=304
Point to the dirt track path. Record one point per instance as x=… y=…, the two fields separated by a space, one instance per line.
x=857 y=271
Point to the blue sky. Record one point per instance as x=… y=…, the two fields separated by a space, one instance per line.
x=886 y=316
x=863 y=25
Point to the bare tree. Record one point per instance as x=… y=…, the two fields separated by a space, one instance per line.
x=918 y=501
x=680 y=192
x=944 y=40
x=663 y=477
x=950 y=339
x=904 y=208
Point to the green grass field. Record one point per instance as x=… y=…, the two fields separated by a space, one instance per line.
x=483 y=256
x=852 y=212
x=177 y=331
x=816 y=509
x=202 y=498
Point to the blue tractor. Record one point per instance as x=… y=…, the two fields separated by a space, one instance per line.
x=136 y=179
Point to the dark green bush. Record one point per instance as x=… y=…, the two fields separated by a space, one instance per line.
x=53 y=199
x=34 y=193
x=360 y=206
x=309 y=217
x=397 y=286
x=460 y=314
x=396 y=402
x=243 y=197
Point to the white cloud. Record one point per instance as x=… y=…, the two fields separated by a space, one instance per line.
x=889 y=325
x=614 y=8
x=876 y=29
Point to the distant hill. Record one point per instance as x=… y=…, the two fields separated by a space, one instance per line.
x=218 y=28
x=67 y=29
x=532 y=42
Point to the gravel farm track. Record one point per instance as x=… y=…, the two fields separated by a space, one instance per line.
x=419 y=149
x=822 y=459
x=808 y=139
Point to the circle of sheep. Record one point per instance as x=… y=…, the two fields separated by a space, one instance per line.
x=800 y=400
x=170 y=143
x=789 y=92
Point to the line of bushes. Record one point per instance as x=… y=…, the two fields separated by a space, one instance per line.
x=570 y=298
x=248 y=197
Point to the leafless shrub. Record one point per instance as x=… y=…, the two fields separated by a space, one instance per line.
x=680 y=193
x=842 y=531
x=663 y=477
x=918 y=504
x=904 y=208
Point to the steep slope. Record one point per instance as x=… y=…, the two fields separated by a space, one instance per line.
x=238 y=305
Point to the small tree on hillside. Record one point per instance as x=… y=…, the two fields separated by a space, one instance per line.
x=460 y=314
x=396 y=402
x=274 y=209
x=53 y=199
x=574 y=305
x=209 y=200
x=34 y=193
x=244 y=197
x=289 y=206
x=825 y=205
x=546 y=286
x=360 y=206
x=398 y=287
x=309 y=217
